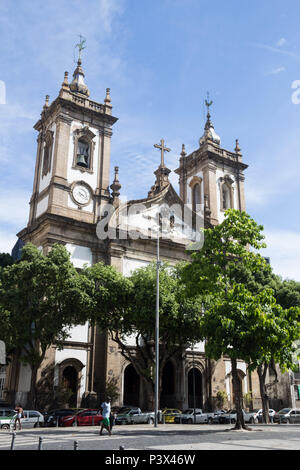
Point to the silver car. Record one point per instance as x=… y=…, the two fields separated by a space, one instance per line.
x=288 y=416
x=32 y=419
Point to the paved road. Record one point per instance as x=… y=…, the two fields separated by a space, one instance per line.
x=165 y=437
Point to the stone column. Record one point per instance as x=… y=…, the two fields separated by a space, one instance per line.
x=210 y=189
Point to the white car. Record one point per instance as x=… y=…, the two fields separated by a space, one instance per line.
x=188 y=417
x=272 y=413
x=32 y=418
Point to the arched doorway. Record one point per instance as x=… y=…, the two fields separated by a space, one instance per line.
x=131 y=386
x=167 y=396
x=195 y=393
x=70 y=384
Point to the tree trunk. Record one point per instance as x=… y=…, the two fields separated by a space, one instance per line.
x=240 y=423
x=33 y=388
x=262 y=372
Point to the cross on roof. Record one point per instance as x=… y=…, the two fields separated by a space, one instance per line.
x=163 y=149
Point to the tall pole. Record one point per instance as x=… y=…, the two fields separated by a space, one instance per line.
x=194 y=389
x=157 y=335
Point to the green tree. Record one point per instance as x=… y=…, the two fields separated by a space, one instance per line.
x=6 y=260
x=41 y=297
x=276 y=340
x=127 y=307
x=229 y=323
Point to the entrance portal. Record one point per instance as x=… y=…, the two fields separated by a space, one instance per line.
x=195 y=394
x=167 y=398
x=131 y=386
x=70 y=384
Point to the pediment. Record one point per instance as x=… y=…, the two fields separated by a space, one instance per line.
x=141 y=218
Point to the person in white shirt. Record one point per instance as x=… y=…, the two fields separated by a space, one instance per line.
x=105 y=423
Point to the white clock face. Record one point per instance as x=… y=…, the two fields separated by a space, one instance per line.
x=81 y=194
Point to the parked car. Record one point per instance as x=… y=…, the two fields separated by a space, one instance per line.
x=53 y=417
x=168 y=414
x=134 y=416
x=189 y=417
x=87 y=417
x=6 y=422
x=217 y=415
x=230 y=417
x=6 y=412
x=287 y=416
x=251 y=416
x=32 y=418
x=272 y=414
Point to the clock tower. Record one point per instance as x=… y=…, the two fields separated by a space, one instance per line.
x=73 y=155
x=71 y=183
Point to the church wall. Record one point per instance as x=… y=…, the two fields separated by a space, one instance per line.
x=45 y=180
x=77 y=175
x=221 y=174
x=42 y=206
x=80 y=255
x=189 y=200
x=80 y=355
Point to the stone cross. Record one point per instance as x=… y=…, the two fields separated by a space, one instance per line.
x=163 y=149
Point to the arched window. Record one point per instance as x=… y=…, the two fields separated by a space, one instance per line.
x=226 y=199
x=84 y=146
x=196 y=197
x=48 y=141
x=83 y=153
x=226 y=193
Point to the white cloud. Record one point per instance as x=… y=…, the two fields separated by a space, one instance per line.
x=277 y=50
x=281 y=42
x=14 y=208
x=276 y=71
x=284 y=252
x=7 y=241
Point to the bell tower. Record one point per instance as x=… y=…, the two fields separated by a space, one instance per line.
x=211 y=179
x=73 y=153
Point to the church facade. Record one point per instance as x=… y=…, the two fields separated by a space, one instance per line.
x=71 y=192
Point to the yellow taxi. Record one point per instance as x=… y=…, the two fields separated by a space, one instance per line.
x=169 y=414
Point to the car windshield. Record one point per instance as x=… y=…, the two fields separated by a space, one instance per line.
x=188 y=412
x=284 y=411
x=124 y=410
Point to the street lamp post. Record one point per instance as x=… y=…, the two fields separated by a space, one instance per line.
x=156 y=339
x=194 y=389
x=157 y=334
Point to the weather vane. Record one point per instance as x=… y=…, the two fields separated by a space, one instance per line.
x=208 y=103
x=81 y=45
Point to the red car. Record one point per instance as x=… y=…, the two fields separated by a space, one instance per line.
x=83 y=418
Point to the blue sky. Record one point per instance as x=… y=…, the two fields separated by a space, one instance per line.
x=160 y=57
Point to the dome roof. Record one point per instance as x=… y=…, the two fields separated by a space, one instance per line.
x=209 y=133
x=78 y=85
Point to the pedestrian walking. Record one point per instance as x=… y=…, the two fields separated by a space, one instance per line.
x=20 y=414
x=105 y=423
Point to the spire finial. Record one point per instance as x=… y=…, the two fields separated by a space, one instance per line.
x=46 y=105
x=78 y=85
x=65 y=83
x=208 y=104
x=107 y=100
x=237 y=146
x=183 y=152
x=115 y=187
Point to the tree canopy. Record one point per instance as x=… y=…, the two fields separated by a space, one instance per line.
x=41 y=297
